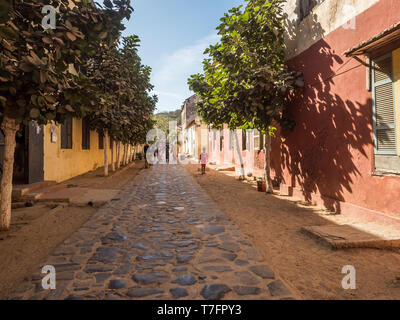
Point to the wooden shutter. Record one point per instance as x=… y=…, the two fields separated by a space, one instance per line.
x=384 y=106
x=101 y=140
x=85 y=135
x=221 y=140
x=69 y=133
x=244 y=140
x=66 y=134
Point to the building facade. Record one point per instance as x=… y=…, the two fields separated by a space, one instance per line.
x=71 y=149
x=344 y=153
x=56 y=152
x=193 y=132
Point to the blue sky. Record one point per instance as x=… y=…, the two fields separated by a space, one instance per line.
x=174 y=35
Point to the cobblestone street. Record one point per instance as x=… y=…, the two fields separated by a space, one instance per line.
x=162 y=237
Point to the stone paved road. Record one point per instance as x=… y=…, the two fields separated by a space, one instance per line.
x=162 y=238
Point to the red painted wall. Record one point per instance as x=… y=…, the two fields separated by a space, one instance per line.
x=328 y=158
x=330 y=152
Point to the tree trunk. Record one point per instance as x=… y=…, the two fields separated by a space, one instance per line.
x=267 y=162
x=125 y=153
x=112 y=147
x=128 y=150
x=118 y=154
x=106 y=153
x=124 y=156
x=10 y=128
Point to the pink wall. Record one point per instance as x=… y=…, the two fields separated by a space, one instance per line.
x=330 y=152
x=328 y=158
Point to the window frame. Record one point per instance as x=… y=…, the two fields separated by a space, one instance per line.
x=374 y=113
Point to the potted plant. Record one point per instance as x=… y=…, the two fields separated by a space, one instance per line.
x=261 y=185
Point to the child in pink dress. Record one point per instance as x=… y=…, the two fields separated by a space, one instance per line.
x=203 y=161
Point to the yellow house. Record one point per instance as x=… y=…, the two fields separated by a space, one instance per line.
x=56 y=152
x=66 y=159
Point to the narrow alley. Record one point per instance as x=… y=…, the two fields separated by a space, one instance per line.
x=162 y=237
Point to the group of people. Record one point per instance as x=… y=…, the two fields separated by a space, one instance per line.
x=203 y=157
x=160 y=152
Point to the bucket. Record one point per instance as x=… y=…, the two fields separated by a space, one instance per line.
x=261 y=186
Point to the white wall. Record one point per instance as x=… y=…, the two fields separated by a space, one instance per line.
x=325 y=17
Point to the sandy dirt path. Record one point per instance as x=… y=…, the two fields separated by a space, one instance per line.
x=36 y=231
x=273 y=223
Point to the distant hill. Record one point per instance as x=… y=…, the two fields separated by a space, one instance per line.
x=163 y=118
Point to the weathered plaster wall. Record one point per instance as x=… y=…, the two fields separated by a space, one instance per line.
x=329 y=157
x=325 y=18
x=62 y=164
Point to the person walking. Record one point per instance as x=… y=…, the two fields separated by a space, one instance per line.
x=203 y=161
x=146 y=163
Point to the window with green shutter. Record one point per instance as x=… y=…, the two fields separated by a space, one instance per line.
x=384 y=106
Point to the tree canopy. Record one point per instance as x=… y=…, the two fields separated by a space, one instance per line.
x=74 y=69
x=245 y=80
x=40 y=69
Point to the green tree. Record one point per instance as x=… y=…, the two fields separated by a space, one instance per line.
x=245 y=82
x=40 y=69
x=124 y=105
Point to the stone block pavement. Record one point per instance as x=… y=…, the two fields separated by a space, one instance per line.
x=162 y=237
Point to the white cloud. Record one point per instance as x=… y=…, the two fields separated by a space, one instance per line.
x=170 y=80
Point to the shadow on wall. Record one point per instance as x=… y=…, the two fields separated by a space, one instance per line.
x=330 y=131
